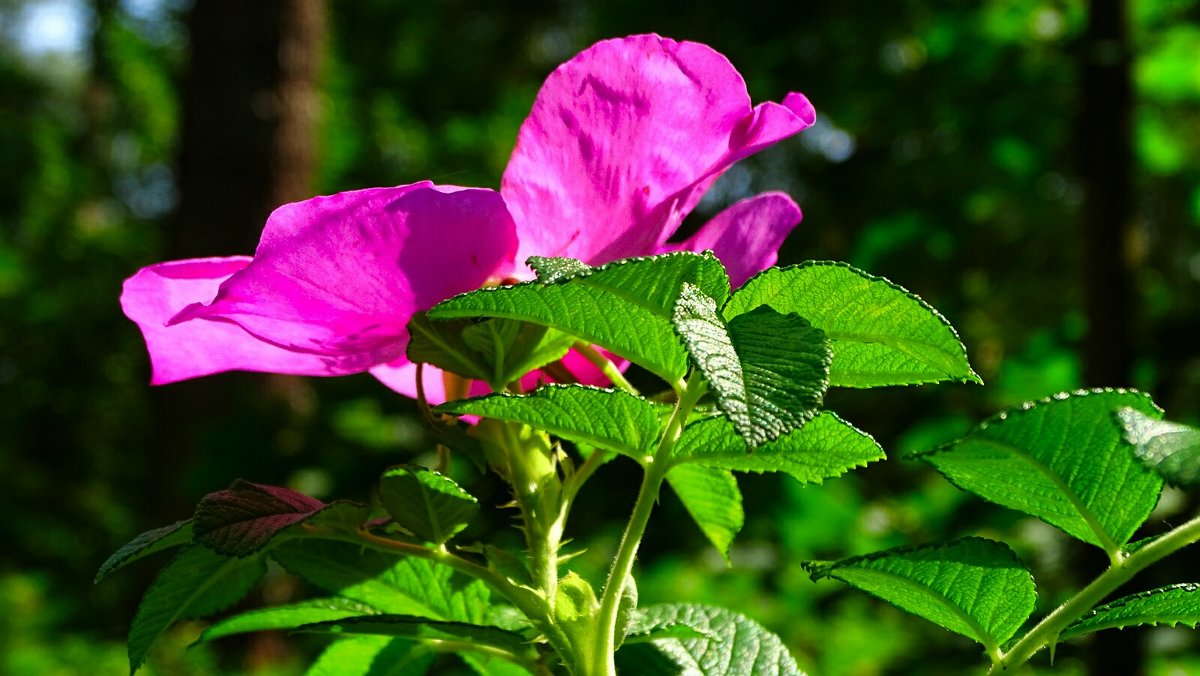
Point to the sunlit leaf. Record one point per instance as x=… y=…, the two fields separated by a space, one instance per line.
x=730 y=645
x=1172 y=606
x=1062 y=460
x=372 y=656
x=287 y=616
x=767 y=371
x=881 y=334
x=1171 y=449
x=623 y=306
x=972 y=586
x=825 y=447
x=712 y=497
x=610 y=419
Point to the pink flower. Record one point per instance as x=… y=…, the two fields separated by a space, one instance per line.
x=622 y=142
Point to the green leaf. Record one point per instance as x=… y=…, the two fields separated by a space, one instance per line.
x=404 y=586
x=1061 y=460
x=974 y=587
x=490 y=665
x=712 y=497
x=768 y=371
x=423 y=629
x=242 y=519
x=196 y=583
x=611 y=419
x=1169 y=448
x=732 y=644
x=372 y=656
x=515 y=348
x=1174 y=605
x=442 y=344
x=425 y=503
x=551 y=269
x=881 y=333
x=624 y=306
x=678 y=631
x=287 y=616
x=825 y=447
x=150 y=542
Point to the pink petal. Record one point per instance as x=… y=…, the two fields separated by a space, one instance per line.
x=624 y=139
x=746 y=236
x=202 y=347
x=401 y=376
x=336 y=279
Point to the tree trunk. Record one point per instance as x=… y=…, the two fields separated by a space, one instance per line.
x=249 y=114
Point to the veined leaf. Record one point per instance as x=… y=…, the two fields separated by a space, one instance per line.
x=1171 y=449
x=425 y=503
x=150 y=542
x=287 y=616
x=730 y=645
x=372 y=656
x=245 y=517
x=1061 y=460
x=515 y=348
x=825 y=447
x=971 y=586
x=424 y=629
x=404 y=586
x=881 y=333
x=442 y=344
x=624 y=306
x=1174 y=605
x=196 y=583
x=712 y=497
x=768 y=371
x=610 y=419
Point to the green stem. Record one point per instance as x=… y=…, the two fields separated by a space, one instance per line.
x=1121 y=571
x=606 y=366
x=622 y=568
x=540 y=512
x=530 y=604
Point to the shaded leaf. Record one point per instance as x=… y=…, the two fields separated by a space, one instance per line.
x=972 y=586
x=1169 y=448
x=287 y=616
x=767 y=371
x=404 y=586
x=150 y=542
x=881 y=333
x=624 y=306
x=825 y=447
x=514 y=348
x=611 y=419
x=424 y=629
x=712 y=497
x=425 y=503
x=196 y=583
x=1062 y=460
x=245 y=517
x=372 y=656
x=1174 y=605
x=732 y=644
x=442 y=344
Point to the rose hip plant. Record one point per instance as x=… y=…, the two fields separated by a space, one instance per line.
x=512 y=317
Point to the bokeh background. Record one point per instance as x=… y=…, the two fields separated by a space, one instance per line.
x=1030 y=167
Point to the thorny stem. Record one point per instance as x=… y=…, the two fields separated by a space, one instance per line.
x=618 y=576
x=1121 y=571
x=528 y=602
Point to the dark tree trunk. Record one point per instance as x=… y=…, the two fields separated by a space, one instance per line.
x=249 y=113
x=1105 y=152
x=1106 y=156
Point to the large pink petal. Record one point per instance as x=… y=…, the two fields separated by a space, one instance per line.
x=746 y=237
x=202 y=347
x=340 y=276
x=623 y=140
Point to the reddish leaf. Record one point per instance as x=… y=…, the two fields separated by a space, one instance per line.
x=242 y=519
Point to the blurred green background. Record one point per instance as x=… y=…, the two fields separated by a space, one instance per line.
x=1032 y=174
